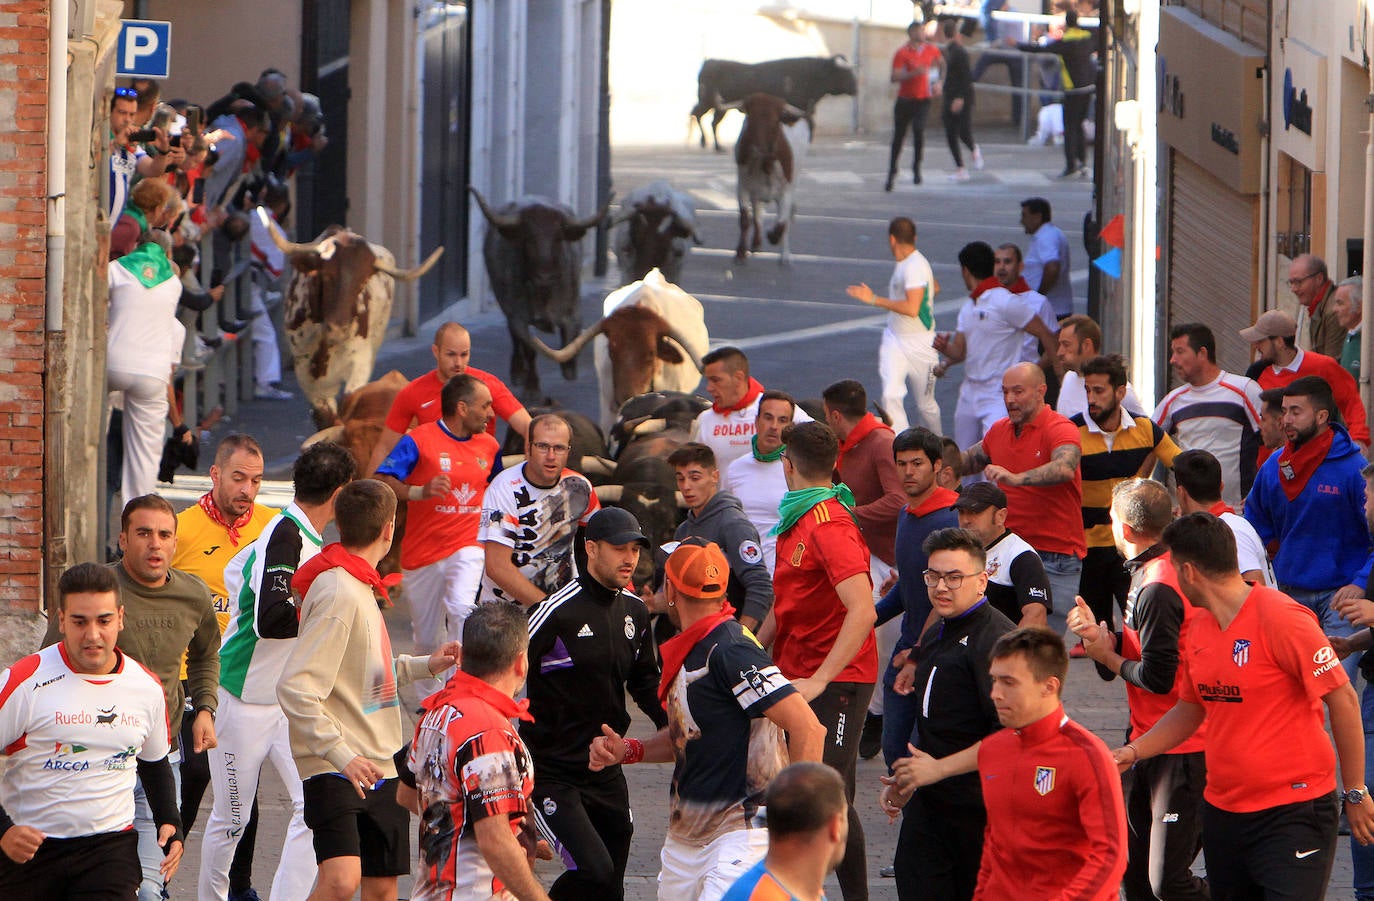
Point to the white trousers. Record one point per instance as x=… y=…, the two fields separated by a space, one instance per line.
x=250 y=736
x=441 y=596
x=704 y=874
x=145 y=411
x=909 y=360
x=976 y=412
x=266 y=354
x=888 y=633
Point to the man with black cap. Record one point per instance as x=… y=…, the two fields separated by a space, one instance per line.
x=718 y=682
x=1017 y=584
x=590 y=643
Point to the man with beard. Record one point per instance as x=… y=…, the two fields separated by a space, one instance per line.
x=530 y=517
x=1309 y=497
x=1007 y=266
x=1117 y=445
x=756 y=478
x=590 y=644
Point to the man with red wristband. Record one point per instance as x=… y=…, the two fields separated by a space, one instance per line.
x=717 y=682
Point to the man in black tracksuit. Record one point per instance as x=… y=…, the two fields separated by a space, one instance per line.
x=1079 y=71
x=590 y=643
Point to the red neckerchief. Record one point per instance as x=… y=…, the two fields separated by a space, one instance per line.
x=753 y=391
x=869 y=423
x=940 y=499
x=461 y=687
x=334 y=556
x=1297 y=465
x=674 y=651
x=207 y=503
x=1318 y=297
x=986 y=284
x=1220 y=507
x=1019 y=286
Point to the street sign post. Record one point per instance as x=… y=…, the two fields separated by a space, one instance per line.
x=144 y=50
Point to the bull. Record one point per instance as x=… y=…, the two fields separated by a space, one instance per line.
x=336 y=312
x=534 y=263
x=659 y=229
x=768 y=153
x=651 y=338
x=800 y=81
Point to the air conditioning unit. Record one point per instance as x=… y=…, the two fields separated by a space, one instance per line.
x=81 y=21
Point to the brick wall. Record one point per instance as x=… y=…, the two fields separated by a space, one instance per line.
x=23 y=146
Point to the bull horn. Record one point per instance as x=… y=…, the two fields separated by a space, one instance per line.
x=795 y=111
x=569 y=351
x=590 y=464
x=498 y=222
x=510 y=461
x=334 y=433
x=594 y=218
x=609 y=494
x=650 y=426
x=285 y=246
x=410 y=275
x=676 y=336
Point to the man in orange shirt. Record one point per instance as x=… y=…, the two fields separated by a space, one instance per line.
x=911 y=66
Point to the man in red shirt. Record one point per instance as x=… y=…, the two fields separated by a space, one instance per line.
x=1256 y=666
x=823 y=614
x=911 y=66
x=1033 y=456
x=418 y=402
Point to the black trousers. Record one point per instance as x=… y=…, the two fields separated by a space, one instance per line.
x=1104 y=580
x=908 y=113
x=958 y=128
x=588 y=823
x=101 y=867
x=1075 y=114
x=939 y=848
x=841 y=709
x=1281 y=853
x=1164 y=828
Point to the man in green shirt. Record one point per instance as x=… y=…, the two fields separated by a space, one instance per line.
x=1347 y=305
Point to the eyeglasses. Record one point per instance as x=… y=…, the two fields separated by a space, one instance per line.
x=1294 y=282
x=952 y=580
x=544 y=447
x=126 y=92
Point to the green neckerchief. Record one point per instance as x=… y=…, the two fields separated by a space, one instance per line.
x=148 y=263
x=774 y=457
x=795 y=504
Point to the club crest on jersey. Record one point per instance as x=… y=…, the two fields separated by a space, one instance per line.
x=550 y=807
x=797 y=553
x=750 y=552
x=1240 y=651
x=629 y=627
x=1044 y=780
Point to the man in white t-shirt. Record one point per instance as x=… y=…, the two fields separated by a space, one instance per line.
x=906 y=353
x=530 y=516
x=1197 y=475
x=1080 y=339
x=992 y=325
x=727 y=427
x=757 y=478
x=1047 y=258
x=1007 y=266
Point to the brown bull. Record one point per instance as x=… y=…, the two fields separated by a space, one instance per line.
x=767 y=157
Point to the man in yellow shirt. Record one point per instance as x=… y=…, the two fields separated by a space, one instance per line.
x=209 y=534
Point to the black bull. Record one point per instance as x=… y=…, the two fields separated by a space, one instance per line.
x=801 y=81
x=534 y=262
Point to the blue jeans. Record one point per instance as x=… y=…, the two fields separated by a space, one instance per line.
x=899 y=718
x=1362 y=857
x=1063 y=571
x=1332 y=623
x=149 y=854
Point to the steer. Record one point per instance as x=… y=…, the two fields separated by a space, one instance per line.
x=801 y=81
x=767 y=155
x=336 y=312
x=534 y=262
x=659 y=231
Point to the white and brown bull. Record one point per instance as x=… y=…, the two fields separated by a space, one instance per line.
x=337 y=310
x=651 y=337
x=768 y=154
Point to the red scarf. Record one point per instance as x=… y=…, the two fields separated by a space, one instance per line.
x=1220 y=507
x=986 y=284
x=461 y=687
x=207 y=503
x=940 y=499
x=674 y=651
x=869 y=423
x=334 y=556
x=1019 y=286
x=754 y=390
x=1296 y=465
x=1319 y=296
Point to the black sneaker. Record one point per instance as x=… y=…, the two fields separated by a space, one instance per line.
x=887 y=185
x=871 y=739
x=916 y=178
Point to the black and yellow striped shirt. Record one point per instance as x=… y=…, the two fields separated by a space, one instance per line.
x=1134 y=452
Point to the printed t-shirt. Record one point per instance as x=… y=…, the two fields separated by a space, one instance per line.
x=1049 y=517
x=1016 y=577
x=204 y=550
x=418 y=402
x=539 y=525
x=1222 y=418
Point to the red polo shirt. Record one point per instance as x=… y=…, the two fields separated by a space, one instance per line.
x=820 y=551
x=907 y=57
x=1048 y=517
x=418 y=402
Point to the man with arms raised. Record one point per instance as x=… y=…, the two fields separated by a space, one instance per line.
x=530 y=517
x=756 y=478
x=79 y=721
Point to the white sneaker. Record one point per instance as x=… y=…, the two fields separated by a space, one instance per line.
x=978 y=158
x=959 y=175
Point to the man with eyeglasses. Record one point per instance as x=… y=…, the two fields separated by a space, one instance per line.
x=530 y=517
x=939 y=848
x=1310 y=283
x=127 y=159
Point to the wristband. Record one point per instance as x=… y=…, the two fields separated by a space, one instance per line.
x=1135 y=751
x=634 y=751
x=416 y=493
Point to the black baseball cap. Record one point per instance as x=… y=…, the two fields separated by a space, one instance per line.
x=615 y=526
x=979 y=496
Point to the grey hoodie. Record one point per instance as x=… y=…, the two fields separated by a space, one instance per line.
x=722 y=520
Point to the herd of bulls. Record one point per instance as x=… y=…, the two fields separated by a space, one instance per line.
x=650 y=339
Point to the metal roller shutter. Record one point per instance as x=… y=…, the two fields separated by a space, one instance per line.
x=1212 y=269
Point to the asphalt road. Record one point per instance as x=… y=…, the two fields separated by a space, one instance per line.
x=801 y=333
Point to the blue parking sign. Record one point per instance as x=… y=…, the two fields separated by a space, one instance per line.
x=145 y=49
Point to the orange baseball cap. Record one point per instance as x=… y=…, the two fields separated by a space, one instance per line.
x=698 y=569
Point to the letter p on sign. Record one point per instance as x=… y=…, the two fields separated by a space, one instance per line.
x=145 y=49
